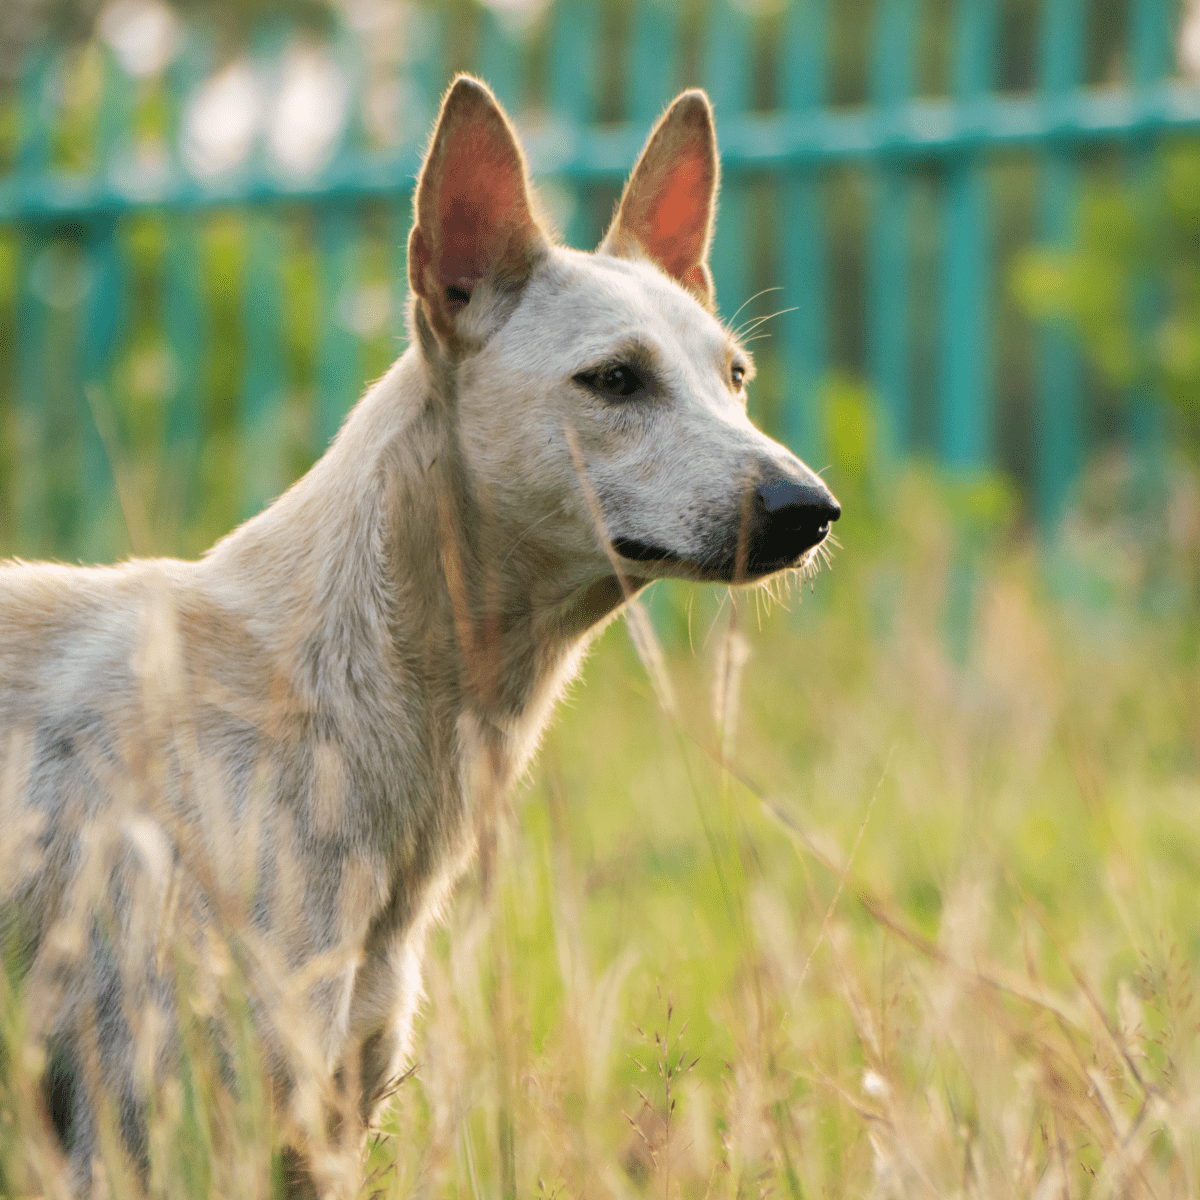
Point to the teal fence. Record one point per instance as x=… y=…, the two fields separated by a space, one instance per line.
x=202 y=260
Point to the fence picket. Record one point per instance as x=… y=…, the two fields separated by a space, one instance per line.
x=262 y=393
x=653 y=61
x=1149 y=52
x=103 y=321
x=338 y=376
x=500 y=57
x=1150 y=41
x=33 y=158
x=339 y=369
x=889 y=263
x=184 y=316
x=1058 y=435
x=264 y=388
x=966 y=417
x=573 y=97
x=727 y=75
x=805 y=268
x=428 y=74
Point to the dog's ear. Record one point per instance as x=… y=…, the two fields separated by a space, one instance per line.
x=668 y=205
x=474 y=218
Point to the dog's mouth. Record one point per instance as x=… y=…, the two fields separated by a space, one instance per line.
x=724 y=565
x=646 y=552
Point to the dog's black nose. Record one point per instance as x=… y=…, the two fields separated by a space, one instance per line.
x=787 y=518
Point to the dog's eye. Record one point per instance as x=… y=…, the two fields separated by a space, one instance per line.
x=617 y=383
x=738 y=377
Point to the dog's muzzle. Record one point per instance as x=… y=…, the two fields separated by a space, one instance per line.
x=779 y=522
x=787 y=519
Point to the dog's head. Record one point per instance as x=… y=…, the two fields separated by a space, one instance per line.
x=600 y=404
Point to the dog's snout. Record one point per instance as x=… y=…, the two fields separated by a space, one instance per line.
x=789 y=517
x=783 y=495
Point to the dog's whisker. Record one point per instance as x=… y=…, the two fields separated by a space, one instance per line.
x=753 y=325
x=729 y=323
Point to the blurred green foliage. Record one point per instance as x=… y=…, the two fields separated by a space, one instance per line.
x=1132 y=287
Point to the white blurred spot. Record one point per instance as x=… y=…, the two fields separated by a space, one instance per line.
x=521 y=10
x=366 y=310
x=874 y=1084
x=931 y=121
x=143 y=34
x=223 y=119
x=309 y=113
x=1189 y=41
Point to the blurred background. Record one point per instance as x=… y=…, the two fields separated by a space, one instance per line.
x=917 y=858
x=972 y=229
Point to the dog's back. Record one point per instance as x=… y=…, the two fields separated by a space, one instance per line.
x=67 y=641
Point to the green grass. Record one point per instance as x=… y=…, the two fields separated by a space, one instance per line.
x=912 y=913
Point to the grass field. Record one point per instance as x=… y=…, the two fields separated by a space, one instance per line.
x=885 y=890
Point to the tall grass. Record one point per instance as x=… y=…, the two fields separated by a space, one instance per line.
x=899 y=898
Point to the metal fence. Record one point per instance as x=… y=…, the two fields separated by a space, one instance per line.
x=185 y=282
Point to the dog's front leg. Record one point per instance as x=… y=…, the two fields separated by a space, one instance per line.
x=387 y=993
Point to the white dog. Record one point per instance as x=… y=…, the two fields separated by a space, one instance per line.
x=360 y=663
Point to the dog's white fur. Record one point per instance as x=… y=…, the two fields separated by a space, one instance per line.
x=386 y=641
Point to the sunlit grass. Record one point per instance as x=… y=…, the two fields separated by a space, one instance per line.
x=886 y=907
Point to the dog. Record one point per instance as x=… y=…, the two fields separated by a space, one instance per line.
x=321 y=707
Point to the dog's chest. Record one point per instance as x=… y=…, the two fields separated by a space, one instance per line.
x=453 y=805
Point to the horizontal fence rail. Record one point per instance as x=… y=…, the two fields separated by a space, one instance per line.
x=195 y=336
x=748 y=144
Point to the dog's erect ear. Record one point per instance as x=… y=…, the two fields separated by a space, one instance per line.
x=474 y=219
x=669 y=203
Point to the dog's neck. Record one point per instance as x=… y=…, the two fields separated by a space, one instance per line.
x=376 y=585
